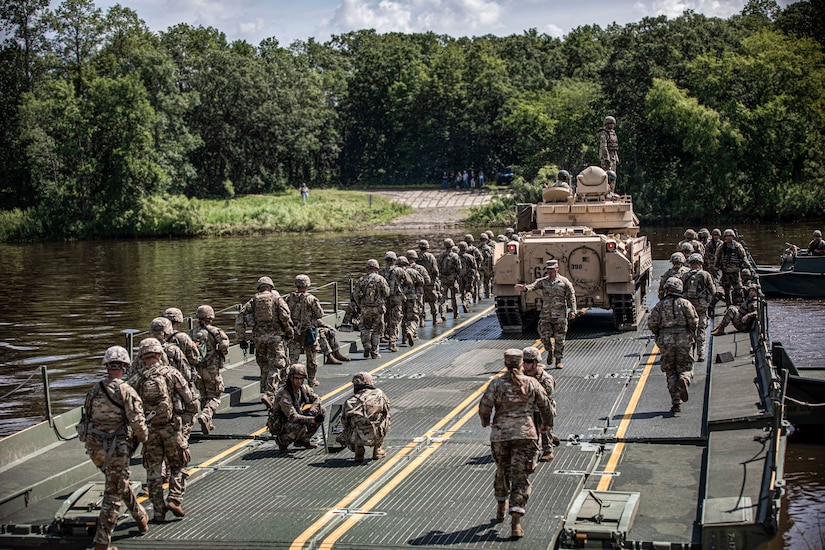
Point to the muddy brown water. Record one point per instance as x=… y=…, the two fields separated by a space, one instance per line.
x=63 y=304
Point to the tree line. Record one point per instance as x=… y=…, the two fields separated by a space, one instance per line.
x=100 y=117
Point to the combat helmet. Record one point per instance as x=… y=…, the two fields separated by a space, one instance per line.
x=716 y=232
x=674 y=284
x=704 y=233
x=468 y=238
x=423 y=244
x=686 y=248
x=362 y=379
x=609 y=120
x=373 y=263
x=149 y=345
x=116 y=354
x=531 y=354
x=696 y=257
x=302 y=281
x=677 y=258
x=691 y=234
x=563 y=175
x=265 y=281
x=817 y=233
x=205 y=312
x=448 y=242
x=298 y=369
x=161 y=327
x=484 y=237
x=411 y=254
x=729 y=233
x=462 y=246
x=173 y=314
x=403 y=261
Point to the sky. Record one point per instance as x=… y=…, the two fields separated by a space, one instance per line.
x=290 y=20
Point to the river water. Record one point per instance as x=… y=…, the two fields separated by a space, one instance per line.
x=63 y=304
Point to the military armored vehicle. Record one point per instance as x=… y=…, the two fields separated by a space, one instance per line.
x=593 y=233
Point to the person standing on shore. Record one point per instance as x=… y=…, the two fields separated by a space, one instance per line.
x=112 y=415
x=514 y=435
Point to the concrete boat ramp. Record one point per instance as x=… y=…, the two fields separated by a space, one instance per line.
x=628 y=473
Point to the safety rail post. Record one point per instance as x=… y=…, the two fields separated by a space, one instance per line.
x=44 y=372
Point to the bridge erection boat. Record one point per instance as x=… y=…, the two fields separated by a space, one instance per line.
x=627 y=474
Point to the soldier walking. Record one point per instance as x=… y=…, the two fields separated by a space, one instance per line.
x=366 y=418
x=730 y=259
x=307 y=314
x=370 y=292
x=412 y=304
x=514 y=435
x=180 y=338
x=699 y=289
x=558 y=307
x=213 y=345
x=449 y=267
x=432 y=291
x=673 y=321
x=268 y=315
x=398 y=281
x=533 y=367
x=113 y=414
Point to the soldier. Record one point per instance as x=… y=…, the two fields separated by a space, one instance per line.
x=692 y=238
x=213 y=345
x=817 y=246
x=370 y=293
x=485 y=269
x=412 y=258
x=673 y=321
x=741 y=316
x=112 y=415
x=398 y=281
x=558 y=306
x=710 y=253
x=449 y=266
x=609 y=145
x=165 y=396
x=297 y=412
x=479 y=259
x=699 y=289
x=466 y=276
x=181 y=339
x=432 y=291
x=677 y=269
x=412 y=304
x=328 y=344
x=533 y=368
x=366 y=418
x=161 y=329
x=268 y=315
x=514 y=436
x=730 y=259
x=307 y=313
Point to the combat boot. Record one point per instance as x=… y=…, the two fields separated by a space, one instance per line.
x=340 y=356
x=718 y=331
x=378 y=453
x=367 y=351
x=547 y=457
x=175 y=507
x=330 y=359
x=700 y=357
x=359 y=454
x=683 y=389
x=375 y=355
x=410 y=341
x=516 y=530
x=392 y=347
x=501 y=510
x=206 y=426
x=675 y=408
x=143 y=524
x=559 y=364
x=267 y=401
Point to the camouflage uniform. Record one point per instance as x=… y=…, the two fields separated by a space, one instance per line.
x=293 y=415
x=449 y=267
x=479 y=259
x=485 y=268
x=608 y=146
x=370 y=292
x=366 y=418
x=412 y=304
x=710 y=255
x=699 y=289
x=432 y=290
x=673 y=321
x=181 y=339
x=817 y=246
x=558 y=301
x=676 y=270
x=692 y=239
x=328 y=343
x=420 y=290
x=306 y=314
x=213 y=345
x=398 y=281
x=548 y=384
x=514 y=435
x=741 y=316
x=114 y=412
x=269 y=316
x=467 y=277
x=166 y=441
x=730 y=259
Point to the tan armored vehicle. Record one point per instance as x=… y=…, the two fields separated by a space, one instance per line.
x=593 y=233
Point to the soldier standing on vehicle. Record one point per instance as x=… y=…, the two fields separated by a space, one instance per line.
x=449 y=266
x=370 y=293
x=730 y=259
x=366 y=418
x=268 y=315
x=307 y=314
x=533 y=367
x=609 y=145
x=165 y=396
x=699 y=289
x=673 y=321
x=213 y=345
x=514 y=435
x=432 y=291
x=297 y=412
x=558 y=307
x=112 y=416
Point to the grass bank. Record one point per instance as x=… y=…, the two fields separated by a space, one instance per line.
x=178 y=216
